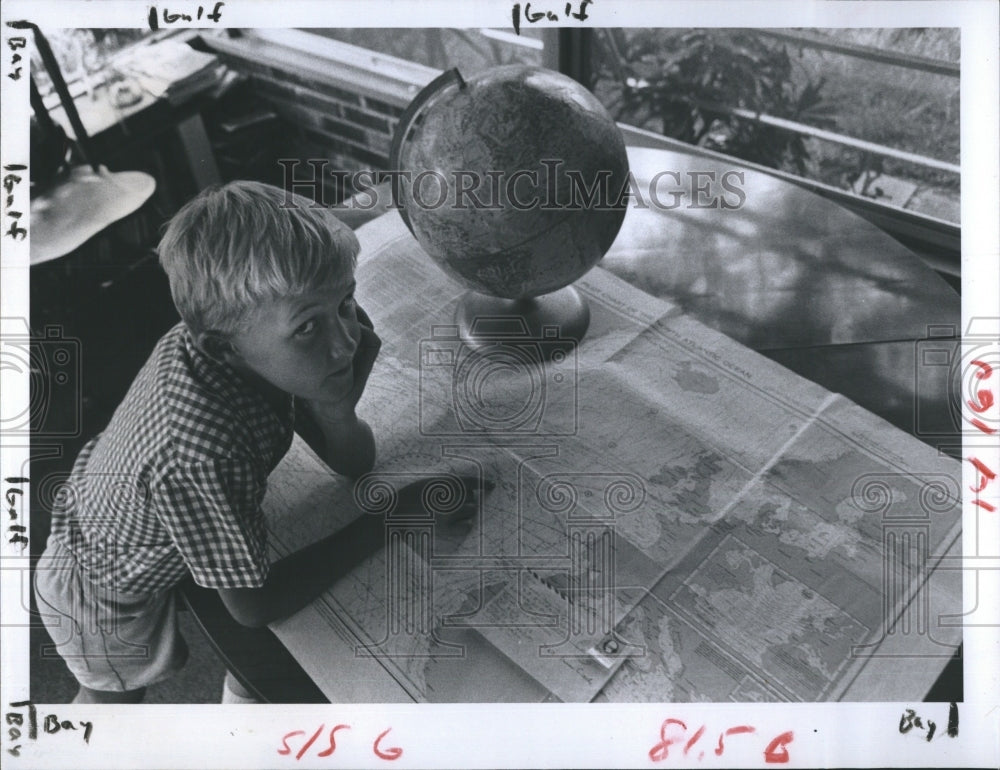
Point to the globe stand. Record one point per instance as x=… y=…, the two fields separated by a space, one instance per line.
x=561 y=316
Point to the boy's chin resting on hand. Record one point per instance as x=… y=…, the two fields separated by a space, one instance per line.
x=350 y=444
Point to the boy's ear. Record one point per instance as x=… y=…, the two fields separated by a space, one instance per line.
x=217 y=346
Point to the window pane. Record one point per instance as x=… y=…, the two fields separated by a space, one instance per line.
x=471 y=50
x=809 y=102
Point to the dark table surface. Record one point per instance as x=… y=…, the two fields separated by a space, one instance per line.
x=808 y=284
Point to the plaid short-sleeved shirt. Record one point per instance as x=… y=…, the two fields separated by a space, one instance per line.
x=174 y=483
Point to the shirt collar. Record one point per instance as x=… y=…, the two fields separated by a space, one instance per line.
x=232 y=386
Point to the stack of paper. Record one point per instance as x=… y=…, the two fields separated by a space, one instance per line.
x=172 y=69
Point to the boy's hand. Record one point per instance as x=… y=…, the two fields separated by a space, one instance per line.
x=450 y=498
x=300 y=577
x=364 y=359
x=350 y=444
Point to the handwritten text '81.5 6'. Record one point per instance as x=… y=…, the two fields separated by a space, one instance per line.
x=674 y=732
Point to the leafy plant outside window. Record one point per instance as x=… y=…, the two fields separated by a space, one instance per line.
x=682 y=83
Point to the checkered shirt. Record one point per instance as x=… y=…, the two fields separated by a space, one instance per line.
x=174 y=483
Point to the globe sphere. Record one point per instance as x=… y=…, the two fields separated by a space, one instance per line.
x=515 y=181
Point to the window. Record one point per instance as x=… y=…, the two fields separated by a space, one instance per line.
x=870 y=111
x=470 y=50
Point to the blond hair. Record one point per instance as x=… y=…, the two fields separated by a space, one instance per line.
x=231 y=247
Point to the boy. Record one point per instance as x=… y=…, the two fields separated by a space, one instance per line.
x=174 y=483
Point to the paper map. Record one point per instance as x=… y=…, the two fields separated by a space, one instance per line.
x=675 y=518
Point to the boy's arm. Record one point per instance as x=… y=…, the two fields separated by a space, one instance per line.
x=297 y=579
x=350 y=445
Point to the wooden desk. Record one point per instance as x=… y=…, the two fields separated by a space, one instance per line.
x=754 y=283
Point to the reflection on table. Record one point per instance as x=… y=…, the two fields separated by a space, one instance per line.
x=810 y=285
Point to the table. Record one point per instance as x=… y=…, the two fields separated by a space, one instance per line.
x=787 y=273
x=808 y=284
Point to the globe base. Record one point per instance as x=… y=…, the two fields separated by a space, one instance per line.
x=560 y=316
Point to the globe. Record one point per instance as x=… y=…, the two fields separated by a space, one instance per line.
x=515 y=183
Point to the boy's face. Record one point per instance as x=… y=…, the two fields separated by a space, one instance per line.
x=304 y=345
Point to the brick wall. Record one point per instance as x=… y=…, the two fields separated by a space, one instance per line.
x=344 y=107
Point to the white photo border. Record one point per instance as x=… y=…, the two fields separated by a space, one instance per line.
x=532 y=735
